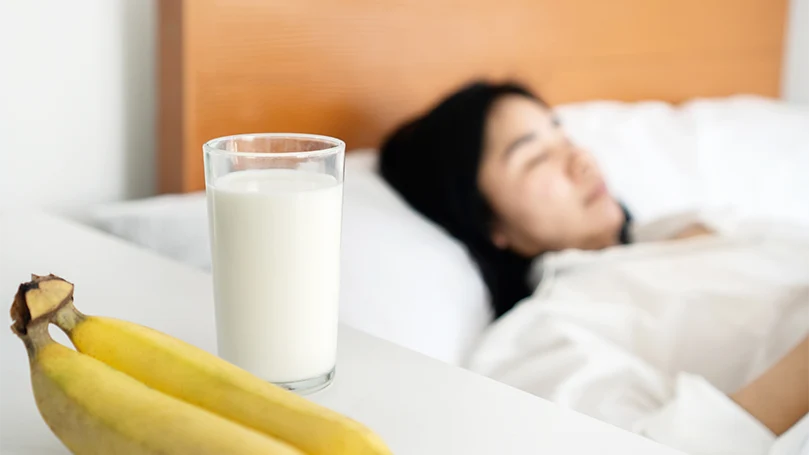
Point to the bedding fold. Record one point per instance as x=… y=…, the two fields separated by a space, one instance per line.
x=654 y=336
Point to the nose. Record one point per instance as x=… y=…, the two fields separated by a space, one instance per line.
x=578 y=164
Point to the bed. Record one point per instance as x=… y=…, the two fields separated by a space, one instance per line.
x=686 y=90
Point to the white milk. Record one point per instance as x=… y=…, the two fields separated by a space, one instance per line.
x=276 y=257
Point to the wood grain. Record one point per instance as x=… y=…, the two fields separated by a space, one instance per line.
x=356 y=68
x=172 y=156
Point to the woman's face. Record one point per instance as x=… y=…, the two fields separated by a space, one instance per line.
x=546 y=193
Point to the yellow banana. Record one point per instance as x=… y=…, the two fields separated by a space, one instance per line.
x=94 y=409
x=202 y=379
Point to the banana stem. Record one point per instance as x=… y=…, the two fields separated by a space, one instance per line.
x=67 y=317
x=39 y=299
x=39 y=302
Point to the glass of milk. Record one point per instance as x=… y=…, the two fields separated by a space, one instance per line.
x=275 y=211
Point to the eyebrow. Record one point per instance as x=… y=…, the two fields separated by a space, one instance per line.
x=516 y=143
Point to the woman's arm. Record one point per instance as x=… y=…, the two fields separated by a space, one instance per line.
x=563 y=362
x=779 y=397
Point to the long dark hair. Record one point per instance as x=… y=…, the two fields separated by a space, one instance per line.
x=433 y=161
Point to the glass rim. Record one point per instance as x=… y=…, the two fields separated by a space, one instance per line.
x=333 y=145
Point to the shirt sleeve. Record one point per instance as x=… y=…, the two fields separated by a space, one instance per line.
x=579 y=370
x=700 y=419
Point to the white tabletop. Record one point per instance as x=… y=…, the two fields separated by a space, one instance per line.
x=418 y=405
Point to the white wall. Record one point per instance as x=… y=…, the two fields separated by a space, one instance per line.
x=796 y=65
x=77 y=90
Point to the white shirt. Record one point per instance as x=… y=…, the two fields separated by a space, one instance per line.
x=653 y=336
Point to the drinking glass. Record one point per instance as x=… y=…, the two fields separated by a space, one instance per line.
x=275 y=213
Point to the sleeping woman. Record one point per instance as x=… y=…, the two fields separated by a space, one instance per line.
x=691 y=331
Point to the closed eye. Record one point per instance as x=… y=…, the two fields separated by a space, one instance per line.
x=536 y=160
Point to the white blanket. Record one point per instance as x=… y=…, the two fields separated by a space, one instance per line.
x=653 y=336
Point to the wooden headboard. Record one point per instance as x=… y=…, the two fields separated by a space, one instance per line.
x=355 y=68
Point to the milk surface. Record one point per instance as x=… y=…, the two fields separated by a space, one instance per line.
x=276 y=255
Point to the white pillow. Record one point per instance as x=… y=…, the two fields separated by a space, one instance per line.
x=402 y=278
x=173 y=225
x=744 y=153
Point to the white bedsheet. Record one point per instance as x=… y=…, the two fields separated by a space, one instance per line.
x=653 y=336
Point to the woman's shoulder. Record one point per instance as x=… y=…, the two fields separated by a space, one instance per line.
x=716 y=222
x=676 y=234
x=641 y=236
x=679 y=225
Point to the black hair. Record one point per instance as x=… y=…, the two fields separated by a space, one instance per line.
x=433 y=161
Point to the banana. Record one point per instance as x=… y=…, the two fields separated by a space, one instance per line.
x=95 y=409
x=197 y=377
